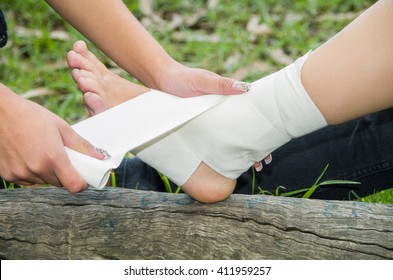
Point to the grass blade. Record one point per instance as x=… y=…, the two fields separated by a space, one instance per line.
x=339 y=182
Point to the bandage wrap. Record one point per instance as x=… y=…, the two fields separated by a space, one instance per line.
x=241 y=130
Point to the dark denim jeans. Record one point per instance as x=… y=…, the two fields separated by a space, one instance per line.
x=360 y=150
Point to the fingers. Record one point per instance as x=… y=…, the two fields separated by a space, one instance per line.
x=241 y=87
x=68 y=177
x=268 y=159
x=259 y=166
x=75 y=142
x=214 y=84
x=42 y=171
x=66 y=173
x=32 y=180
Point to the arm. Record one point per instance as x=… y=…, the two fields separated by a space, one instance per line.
x=113 y=28
x=32 y=145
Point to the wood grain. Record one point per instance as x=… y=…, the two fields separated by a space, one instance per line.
x=50 y=223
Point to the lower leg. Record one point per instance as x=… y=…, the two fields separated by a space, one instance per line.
x=352 y=74
x=103 y=90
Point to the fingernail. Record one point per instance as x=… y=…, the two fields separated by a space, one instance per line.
x=268 y=159
x=241 y=86
x=258 y=167
x=103 y=152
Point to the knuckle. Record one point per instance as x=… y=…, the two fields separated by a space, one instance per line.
x=73 y=182
x=9 y=176
x=224 y=84
x=75 y=186
x=63 y=125
x=87 y=146
x=18 y=174
x=44 y=165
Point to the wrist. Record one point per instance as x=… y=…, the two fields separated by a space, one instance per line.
x=162 y=74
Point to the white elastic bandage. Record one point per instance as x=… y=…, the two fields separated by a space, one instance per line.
x=239 y=131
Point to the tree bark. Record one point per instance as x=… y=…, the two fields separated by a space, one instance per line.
x=114 y=223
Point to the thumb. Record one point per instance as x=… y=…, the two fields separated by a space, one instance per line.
x=215 y=84
x=75 y=142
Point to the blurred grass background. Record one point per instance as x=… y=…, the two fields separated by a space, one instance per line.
x=243 y=39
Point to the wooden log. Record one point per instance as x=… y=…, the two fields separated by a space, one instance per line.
x=50 y=223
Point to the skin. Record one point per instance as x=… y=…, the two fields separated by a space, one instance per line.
x=349 y=76
x=103 y=90
x=128 y=43
x=27 y=157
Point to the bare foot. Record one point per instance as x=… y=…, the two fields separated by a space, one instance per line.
x=101 y=88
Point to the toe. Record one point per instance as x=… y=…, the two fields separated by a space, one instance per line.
x=87 y=84
x=76 y=60
x=80 y=48
x=94 y=103
x=78 y=73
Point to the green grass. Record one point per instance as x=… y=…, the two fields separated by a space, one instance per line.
x=385 y=197
x=31 y=62
x=218 y=41
x=7 y=185
x=168 y=185
x=306 y=192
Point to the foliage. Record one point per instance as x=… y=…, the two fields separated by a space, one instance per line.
x=216 y=35
x=308 y=192
x=385 y=197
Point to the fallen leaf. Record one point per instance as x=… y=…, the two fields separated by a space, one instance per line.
x=193 y=20
x=146 y=7
x=176 y=22
x=212 y=4
x=37 y=92
x=181 y=37
x=232 y=60
x=254 y=27
x=243 y=72
x=339 y=17
x=60 y=35
x=293 y=17
x=279 y=56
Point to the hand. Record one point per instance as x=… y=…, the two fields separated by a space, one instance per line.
x=184 y=81
x=32 y=145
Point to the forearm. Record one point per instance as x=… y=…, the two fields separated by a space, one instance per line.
x=112 y=27
x=352 y=74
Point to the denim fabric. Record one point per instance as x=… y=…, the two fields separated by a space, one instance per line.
x=360 y=150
